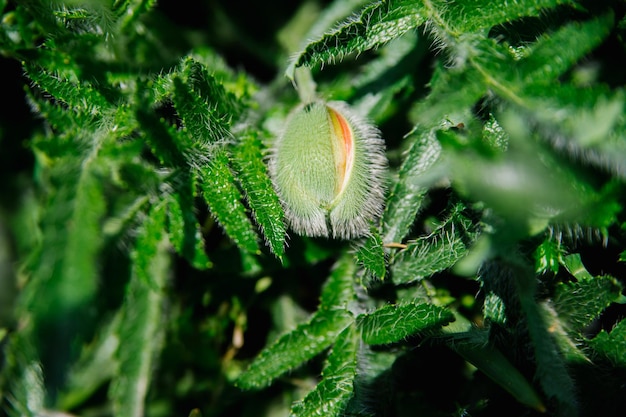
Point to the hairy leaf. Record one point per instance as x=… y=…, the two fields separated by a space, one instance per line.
x=294 y=348
x=225 y=201
x=440 y=250
x=142 y=331
x=371 y=255
x=184 y=230
x=332 y=394
x=260 y=194
x=408 y=192
x=579 y=303
x=552 y=372
x=393 y=323
x=338 y=290
x=378 y=23
x=612 y=344
x=471 y=16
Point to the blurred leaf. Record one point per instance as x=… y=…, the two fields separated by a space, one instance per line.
x=612 y=344
x=469 y=16
x=552 y=372
x=407 y=194
x=95 y=366
x=495 y=365
x=574 y=40
x=141 y=332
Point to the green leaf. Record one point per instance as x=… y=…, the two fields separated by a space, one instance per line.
x=96 y=366
x=579 y=303
x=338 y=290
x=452 y=94
x=612 y=344
x=131 y=10
x=163 y=140
x=548 y=257
x=66 y=270
x=294 y=348
x=573 y=41
x=378 y=23
x=81 y=98
x=142 y=328
x=199 y=124
x=184 y=230
x=330 y=397
x=225 y=201
x=23 y=378
x=551 y=372
x=393 y=323
x=470 y=16
x=496 y=366
x=440 y=250
x=407 y=195
x=206 y=108
x=371 y=255
x=260 y=194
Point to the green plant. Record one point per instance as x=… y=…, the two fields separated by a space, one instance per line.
x=148 y=250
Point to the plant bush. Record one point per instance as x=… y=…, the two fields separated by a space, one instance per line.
x=146 y=265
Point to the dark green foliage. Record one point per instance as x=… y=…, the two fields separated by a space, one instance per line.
x=145 y=265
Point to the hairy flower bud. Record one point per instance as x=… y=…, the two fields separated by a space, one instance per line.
x=328 y=168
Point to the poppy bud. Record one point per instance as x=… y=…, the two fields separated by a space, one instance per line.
x=328 y=168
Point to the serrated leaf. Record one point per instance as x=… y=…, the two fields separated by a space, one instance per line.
x=440 y=250
x=330 y=397
x=465 y=16
x=393 y=323
x=548 y=256
x=66 y=272
x=262 y=199
x=184 y=230
x=225 y=202
x=292 y=349
x=142 y=330
x=338 y=290
x=552 y=371
x=579 y=303
x=206 y=108
x=79 y=97
x=612 y=344
x=452 y=94
x=202 y=128
x=407 y=195
x=572 y=41
x=377 y=24
x=371 y=255
x=163 y=140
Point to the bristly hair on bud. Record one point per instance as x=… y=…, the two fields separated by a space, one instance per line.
x=328 y=167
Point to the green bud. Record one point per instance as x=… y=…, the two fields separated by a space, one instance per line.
x=328 y=168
